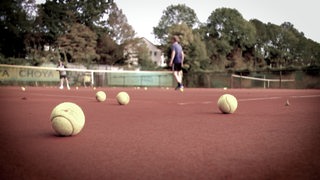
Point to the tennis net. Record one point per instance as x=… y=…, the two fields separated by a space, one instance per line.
x=33 y=75
x=239 y=81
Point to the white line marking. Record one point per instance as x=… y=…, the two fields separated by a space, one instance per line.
x=306 y=96
x=189 y=103
x=62 y=96
x=186 y=103
x=249 y=99
x=206 y=102
x=259 y=99
x=211 y=102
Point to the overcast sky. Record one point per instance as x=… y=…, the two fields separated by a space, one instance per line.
x=143 y=15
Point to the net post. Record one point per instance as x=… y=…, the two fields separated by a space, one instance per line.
x=264 y=82
x=231 y=81
x=92 y=78
x=280 y=78
x=140 y=84
x=124 y=80
x=241 y=80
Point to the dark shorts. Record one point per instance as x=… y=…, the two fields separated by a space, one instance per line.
x=63 y=76
x=177 y=67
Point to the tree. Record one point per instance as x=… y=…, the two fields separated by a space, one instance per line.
x=303 y=51
x=110 y=52
x=232 y=36
x=144 y=59
x=174 y=14
x=78 y=45
x=217 y=52
x=262 y=36
x=53 y=20
x=56 y=16
x=90 y=13
x=195 y=50
x=281 y=45
x=117 y=25
x=14 y=24
x=262 y=41
x=312 y=58
x=30 y=7
x=228 y=24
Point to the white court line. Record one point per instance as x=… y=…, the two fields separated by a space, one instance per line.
x=249 y=99
x=189 y=103
x=259 y=99
x=62 y=96
x=306 y=96
x=186 y=103
x=211 y=102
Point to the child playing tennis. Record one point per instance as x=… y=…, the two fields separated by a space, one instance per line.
x=63 y=75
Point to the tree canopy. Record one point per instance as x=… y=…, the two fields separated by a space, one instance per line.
x=234 y=43
x=97 y=31
x=175 y=14
x=14 y=25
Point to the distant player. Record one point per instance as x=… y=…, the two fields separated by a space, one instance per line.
x=63 y=75
x=176 y=61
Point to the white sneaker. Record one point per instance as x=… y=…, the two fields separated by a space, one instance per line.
x=181 y=88
x=68 y=87
x=61 y=87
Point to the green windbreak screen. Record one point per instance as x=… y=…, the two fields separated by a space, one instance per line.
x=160 y=79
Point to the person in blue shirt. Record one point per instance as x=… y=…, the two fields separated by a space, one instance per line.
x=176 y=61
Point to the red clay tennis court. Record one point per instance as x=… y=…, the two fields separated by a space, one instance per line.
x=162 y=134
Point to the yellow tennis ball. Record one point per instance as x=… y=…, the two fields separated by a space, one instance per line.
x=101 y=96
x=227 y=103
x=67 y=119
x=123 y=98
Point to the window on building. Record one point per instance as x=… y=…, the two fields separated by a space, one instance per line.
x=155 y=53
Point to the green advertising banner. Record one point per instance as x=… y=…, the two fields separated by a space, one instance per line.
x=27 y=74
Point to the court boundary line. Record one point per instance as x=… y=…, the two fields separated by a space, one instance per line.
x=306 y=96
x=62 y=96
x=249 y=99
